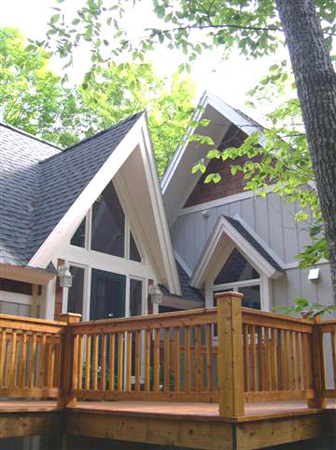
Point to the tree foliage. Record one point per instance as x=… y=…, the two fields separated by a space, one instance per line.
x=34 y=99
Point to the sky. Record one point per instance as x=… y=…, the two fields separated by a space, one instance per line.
x=230 y=79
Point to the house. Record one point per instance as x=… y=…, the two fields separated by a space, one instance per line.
x=97 y=210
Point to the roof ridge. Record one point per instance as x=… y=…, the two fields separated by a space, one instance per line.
x=32 y=136
x=95 y=135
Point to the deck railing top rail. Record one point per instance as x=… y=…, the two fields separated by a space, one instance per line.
x=153 y=321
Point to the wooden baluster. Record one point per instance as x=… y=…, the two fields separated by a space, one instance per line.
x=209 y=356
x=80 y=362
x=12 y=365
x=333 y=351
x=230 y=354
x=137 y=360
x=274 y=379
x=268 y=386
x=280 y=360
x=177 y=384
x=95 y=362
x=166 y=360
x=32 y=360
x=247 y=359
x=58 y=361
x=293 y=352
x=103 y=362
x=147 y=359
x=23 y=367
x=198 y=358
x=75 y=362
x=112 y=361
x=41 y=366
x=51 y=360
x=187 y=359
x=42 y=360
x=120 y=360
x=304 y=361
x=88 y=363
x=298 y=360
x=253 y=358
x=3 y=346
x=262 y=362
x=286 y=360
x=157 y=360
x=129 y=362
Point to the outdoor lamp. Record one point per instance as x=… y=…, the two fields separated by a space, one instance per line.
x=155 y=294
x=65 y=276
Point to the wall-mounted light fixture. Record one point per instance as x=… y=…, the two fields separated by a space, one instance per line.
x=64 y=275
x=314 y=275
x=155 y=294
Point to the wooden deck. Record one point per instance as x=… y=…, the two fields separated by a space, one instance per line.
x=192 y=379
x=189 y=425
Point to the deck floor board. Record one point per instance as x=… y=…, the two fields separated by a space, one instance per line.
x=253 y=411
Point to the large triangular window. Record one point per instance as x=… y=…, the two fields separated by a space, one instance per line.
x=237 y=274
x=106 y=228
x=236 y=268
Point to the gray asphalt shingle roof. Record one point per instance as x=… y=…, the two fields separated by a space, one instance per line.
x=39 y=183
x=263 y=252
x=188 y=292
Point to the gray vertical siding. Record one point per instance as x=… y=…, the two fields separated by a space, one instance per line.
x=274 y=221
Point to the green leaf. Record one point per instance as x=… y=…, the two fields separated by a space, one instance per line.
x=55 y=18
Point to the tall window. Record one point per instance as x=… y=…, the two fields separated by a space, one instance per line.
x=76 y=291
x=108 y=224
x=106 y=229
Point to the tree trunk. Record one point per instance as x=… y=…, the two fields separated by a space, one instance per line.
x=316 y=86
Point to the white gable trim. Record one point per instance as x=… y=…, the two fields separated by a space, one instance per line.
x=183 y=264
x=223 y=229
x=169 y=173
x=159 y=209
x=135 y=139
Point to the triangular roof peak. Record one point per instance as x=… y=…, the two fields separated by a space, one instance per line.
x=226 y=235
x=177 y=181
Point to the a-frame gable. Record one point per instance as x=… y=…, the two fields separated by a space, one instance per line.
x=226 y=235
x=132 y=168
x=178 y=183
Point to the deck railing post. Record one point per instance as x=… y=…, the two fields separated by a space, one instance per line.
x=318 y=362
x=65 y=399
x=230 y=354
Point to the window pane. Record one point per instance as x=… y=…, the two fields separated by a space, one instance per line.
x=251 y=296
x=108 y=224
x=135 y=297
x=134 y=252
x=236 y=268
x=78 y=239
x=76 y=291
x=107 y=295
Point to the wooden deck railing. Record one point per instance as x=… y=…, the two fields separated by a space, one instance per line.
x=228 y=354
x=277 y=356
x=158 y=357
x=30 y=355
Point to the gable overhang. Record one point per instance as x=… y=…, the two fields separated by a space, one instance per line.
x=26 y=274
x=142 y=184
x=178 y=182
x=222 y=240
